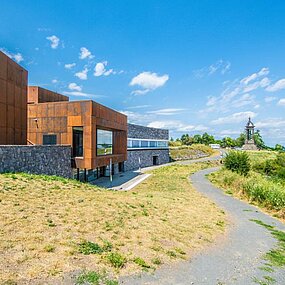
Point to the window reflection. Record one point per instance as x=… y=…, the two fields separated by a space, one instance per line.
x=104 y=142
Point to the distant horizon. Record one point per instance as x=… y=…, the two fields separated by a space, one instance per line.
x=187 y=66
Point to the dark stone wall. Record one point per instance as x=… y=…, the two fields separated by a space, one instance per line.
x=146 y=157
x=36 y=159
x=141 y=132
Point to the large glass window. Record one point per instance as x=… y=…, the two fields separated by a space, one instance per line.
x=144 y=143
x=77 y=142
x=49 y=139
x=137 y=143
x=104 y=142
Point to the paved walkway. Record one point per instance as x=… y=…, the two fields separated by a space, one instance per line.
x=234 y=259
x=127 y=180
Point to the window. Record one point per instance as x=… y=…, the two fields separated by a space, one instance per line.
x=162 y=144
x=144 y=143
x=135 y=143
x=104 y=142
x=49 y=139
x=77 y=144
x=147 y=144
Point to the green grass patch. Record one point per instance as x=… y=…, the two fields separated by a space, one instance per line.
x=276 y=256
x=88 y=247
x=116 y=259
x=139 y=261
x=94 y=278
x=190 y=152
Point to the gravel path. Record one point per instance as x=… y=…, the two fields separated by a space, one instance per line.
x=235 y=258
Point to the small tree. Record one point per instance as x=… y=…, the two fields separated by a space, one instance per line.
x=238 y=161
x=258 y=140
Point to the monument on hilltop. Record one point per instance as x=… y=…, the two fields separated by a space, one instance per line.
x=249 y=139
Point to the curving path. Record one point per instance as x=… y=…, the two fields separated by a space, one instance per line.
x=233 y=260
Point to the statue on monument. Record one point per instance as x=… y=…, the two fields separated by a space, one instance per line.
x=249 y=139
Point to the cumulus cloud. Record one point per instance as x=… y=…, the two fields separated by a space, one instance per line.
x=69 y=65
x=219 y=66
x=148 y=81
x=54 y=41
x=15 y=56
x=279 y=85
x=281 y=102
x=85 y=53
x=54 y=81
x=82 y=74
x=234 y=118
x=100 y=69
x=75 y=87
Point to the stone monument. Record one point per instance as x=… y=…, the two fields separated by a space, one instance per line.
x=249 y=139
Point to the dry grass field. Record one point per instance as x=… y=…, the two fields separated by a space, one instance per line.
x=50 y=227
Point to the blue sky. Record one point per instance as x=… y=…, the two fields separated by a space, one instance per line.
x=190 y=66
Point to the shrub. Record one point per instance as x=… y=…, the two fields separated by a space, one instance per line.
x=88 y=247
x=94 y=278
x=116 y=259
x=237 y=161
x=139 y=261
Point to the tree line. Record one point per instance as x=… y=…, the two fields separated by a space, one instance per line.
x=208 y=139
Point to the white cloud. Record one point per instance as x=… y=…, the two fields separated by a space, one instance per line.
x=16 y=56
x=167 y=111
x=280 y=84
x=140 y=92
x=69 y=65
x=54 y=81
x=281 y=102
x=100 y=69
x=234 y=118
x=54 y=41
x=74 y=87
x=85 y=53
x=176 y=125
x=148 y=81
x=229 y=132
x=271 y=123
x=269 y=99
x=264 y=71
x=81 y=94
x=220 y=66
x=262 y=83
x=82 y=74
x=243 y=100
x=235 y=94
x=139 y=107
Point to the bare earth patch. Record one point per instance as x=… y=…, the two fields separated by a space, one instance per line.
x=50 y=227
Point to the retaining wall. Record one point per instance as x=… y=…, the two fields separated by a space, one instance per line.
x=146 y=158
x=36 y=159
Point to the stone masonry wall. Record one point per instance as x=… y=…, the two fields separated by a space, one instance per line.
x=36 y=159
x=146 y=157
x=141 y=132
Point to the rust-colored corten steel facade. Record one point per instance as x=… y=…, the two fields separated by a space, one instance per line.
x=63 y=122
x=40 y=95
x=13 y=102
